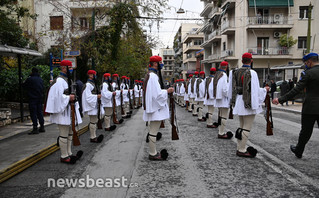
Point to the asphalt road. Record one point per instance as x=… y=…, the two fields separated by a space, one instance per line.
x=199 y=164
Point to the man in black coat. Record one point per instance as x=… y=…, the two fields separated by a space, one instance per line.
x=284 y=88
x=273 y=88
x=291 y=86
x=309 y=80
x=34 y=85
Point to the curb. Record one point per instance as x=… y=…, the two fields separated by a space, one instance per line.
x=25 y=163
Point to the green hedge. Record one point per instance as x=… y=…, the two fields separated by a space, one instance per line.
x=9 y=78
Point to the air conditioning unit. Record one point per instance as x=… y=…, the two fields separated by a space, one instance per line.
x=277 y=34
x=229 y=52
x=278 y=18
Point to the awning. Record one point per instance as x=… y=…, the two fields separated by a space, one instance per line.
x=270 y=3
x=295 y=66
x=6 y=50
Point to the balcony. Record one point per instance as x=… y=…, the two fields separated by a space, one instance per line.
x=192 y=48
x=206 y=10
x=192 y=59
x=226 y=53
x=277 y=52
x=90 y=4
x=216 y=11
x=227 y=27
x=231 y=3
x=276 y=21
x=212 y=58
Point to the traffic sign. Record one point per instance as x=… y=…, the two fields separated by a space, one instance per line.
x=73 y=60
x=72 y=53
x=56 y=61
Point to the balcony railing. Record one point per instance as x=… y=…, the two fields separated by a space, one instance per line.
x=226 y=24
x=269 y=51
x=226 y=53
x=279 y=19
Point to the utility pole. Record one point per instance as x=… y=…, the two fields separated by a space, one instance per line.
x=309 y=28
x=93 y=36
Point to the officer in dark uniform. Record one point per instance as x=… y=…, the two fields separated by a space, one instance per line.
x=309 y=80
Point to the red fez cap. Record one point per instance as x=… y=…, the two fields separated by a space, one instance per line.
x=182 y=80
x=247 y=55
x=196 y=73
x=128 y=78
x=66 y=63
x=107 y=75
x=136 y=81
x=213 y=69
x=201 y=72
x=91 y=72
x=190 y=75
x=123 y=77
x=115 y=75
x=155 y=59
x=224 y=63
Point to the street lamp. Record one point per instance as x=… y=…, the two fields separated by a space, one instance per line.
x=180 y=11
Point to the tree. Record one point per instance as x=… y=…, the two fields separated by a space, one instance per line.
x=10 y=15
x=285 y=41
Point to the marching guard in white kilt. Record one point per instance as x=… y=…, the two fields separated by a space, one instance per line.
x=58 y=105
x=246 y=97
x=155 y=107
x=220 y=93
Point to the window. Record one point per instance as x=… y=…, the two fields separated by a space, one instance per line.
x=56 y=23
x=303 y=12
x=165 y=62
x=198 y=42
x=224 y=46
x=83 y=23
x=262 y=45
x=302 y=42
x=189 y=55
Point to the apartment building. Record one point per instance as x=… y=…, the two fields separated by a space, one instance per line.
x=61 y=21
x=168 y=59
x=187 y=43
x=233 y=27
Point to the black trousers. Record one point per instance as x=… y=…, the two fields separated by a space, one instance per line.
x=307 y=124
x=36 y=113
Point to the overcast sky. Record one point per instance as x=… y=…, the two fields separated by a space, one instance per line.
x=169 y=28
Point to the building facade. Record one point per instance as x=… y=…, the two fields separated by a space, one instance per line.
x=168 y=59
x=186 y=43
x=61 y=22
x=234 y=27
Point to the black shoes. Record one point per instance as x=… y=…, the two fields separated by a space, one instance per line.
x=34 y=131
x=294 y=150
x=42 y=130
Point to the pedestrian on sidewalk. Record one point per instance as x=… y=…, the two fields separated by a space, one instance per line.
x=59 y=97
x=90 y=104
x=220 y=93
x=273 y=88
x=155 y=106
x=291 y=86
x=34 y=86
x=246 y=97
x=309 y=81
x=284 y=89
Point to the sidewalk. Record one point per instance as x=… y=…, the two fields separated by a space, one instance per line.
x=292 y=108
x=14 y=139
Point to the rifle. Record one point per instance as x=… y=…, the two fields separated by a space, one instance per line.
x=99 y=122
x=122 y=109
x=76 y=141
x=268 y=116
x=134 y=98
x=231 y=116
x=139 y=96
x=115 y=121
x=174 y=129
